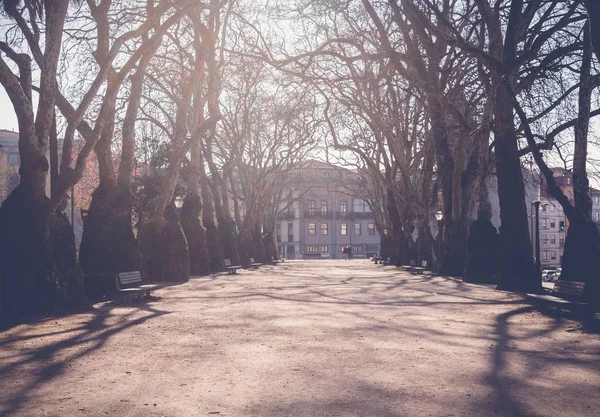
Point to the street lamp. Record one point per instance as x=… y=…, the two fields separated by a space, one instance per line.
x=179 y=202
x=439 y=215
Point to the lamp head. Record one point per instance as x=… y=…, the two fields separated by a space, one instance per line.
x=178 y=201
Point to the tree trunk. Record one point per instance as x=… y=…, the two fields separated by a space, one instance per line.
x=38 y=264
x=228 y=239
x=247 y=247
x=164 y=247
x=270 y=244
x=215 y=255
x=517 y=272
x=195 y=233
x=582 y=245
x=593 y=9
x=454 y=248
x=108 y=244
x=259 y=248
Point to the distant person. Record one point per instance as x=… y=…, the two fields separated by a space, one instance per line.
x=349 y=252
x=345 y=252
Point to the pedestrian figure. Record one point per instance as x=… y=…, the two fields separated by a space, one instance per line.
x=345 y=252
x=349 y=252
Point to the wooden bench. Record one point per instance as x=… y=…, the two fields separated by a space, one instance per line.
x=569 y=289
x=231 y=269
x=128 y=285
x=410 y=266
x=567 y=294
x=418 y=270
x=253 y=264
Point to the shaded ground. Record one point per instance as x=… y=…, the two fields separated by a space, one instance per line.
x=306 y=338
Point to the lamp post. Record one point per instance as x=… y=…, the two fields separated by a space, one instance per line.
x=439 y=215
x=178 y=205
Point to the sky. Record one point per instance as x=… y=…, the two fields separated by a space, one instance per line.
x=8 y=118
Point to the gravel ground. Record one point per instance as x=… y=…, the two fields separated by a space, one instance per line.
x=305 y=338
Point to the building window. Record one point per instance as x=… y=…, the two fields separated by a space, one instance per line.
x=312 y=228
x=561 y=240
x=544 y=255
x=552 y=223
x=290 y=227
x=596 y=200
x=342 y=248
x=357 y=228
x=312 y=249
x=553 y=239
x=371 y=229
x=543 y=207
x=326 y=174
x=311 y=208
x=343 y=229
x=358 y=206
x=544 y=222
x=553 y=255
x=324 y=248
x=544 y=238
x=551 y=208
x=324 y=207
x=344 y=207
x=324 y=228
x=367 y=206
x=357 y=248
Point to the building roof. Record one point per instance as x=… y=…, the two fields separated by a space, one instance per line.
x=9 y=140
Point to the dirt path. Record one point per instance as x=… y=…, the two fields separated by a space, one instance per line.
x=306 y=338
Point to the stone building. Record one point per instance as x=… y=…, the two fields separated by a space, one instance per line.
x=554 y=225
x=326 y=215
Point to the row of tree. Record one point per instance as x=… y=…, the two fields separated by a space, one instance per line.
x=85 y=78
x=433 y=98
x=428 y=99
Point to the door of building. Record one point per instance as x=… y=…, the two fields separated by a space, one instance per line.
x=290 y=252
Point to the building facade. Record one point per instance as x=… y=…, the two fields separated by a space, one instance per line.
x=9 y=163
x=327 y=215
x=554 y=225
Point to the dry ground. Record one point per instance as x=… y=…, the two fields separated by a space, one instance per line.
x=306 y=338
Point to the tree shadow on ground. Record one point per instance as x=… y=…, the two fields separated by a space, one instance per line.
x=54 y=358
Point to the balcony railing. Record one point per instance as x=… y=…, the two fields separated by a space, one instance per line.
x=286 y=216
x=363 y=215
x=318 y=214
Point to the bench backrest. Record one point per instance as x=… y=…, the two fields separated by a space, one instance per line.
x=227 y=262
x=130 y=278
x=569 y=287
